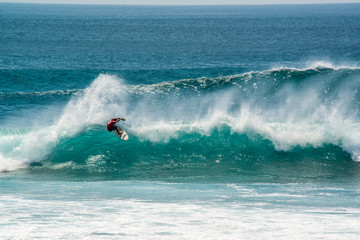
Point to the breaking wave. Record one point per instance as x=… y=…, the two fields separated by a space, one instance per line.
x=250 y=118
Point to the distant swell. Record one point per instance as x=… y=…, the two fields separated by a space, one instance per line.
x=238 y=120
x=46 y=93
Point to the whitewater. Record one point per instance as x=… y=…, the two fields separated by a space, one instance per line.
x=244 y=122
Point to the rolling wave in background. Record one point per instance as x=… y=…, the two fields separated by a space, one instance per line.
x=264 y=123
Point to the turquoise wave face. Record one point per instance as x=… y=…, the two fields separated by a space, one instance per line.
x=279 y=123
x=219 y=156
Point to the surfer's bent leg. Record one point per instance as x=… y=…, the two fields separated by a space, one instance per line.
x=118 y=130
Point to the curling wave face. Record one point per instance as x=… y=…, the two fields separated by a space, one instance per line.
x=241 y=121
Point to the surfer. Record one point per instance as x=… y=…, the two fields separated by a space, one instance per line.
x=111 y=125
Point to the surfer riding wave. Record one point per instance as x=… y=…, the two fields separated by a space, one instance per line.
x=111 y=126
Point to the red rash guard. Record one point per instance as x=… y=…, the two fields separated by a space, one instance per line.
x=111 y=124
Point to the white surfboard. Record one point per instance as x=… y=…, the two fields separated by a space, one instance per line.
x=123 y=135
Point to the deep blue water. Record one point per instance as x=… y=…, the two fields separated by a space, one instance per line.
x=248 y=114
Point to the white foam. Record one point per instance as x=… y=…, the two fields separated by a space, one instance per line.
x=17 y=149
x=100 y=215
x=331 y=65
x=317 y=64
x=9 y=164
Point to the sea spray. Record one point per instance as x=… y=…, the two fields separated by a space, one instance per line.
x=21 y=148
x=99 y=102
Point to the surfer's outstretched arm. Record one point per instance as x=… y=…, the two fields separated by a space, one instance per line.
x=119 y=119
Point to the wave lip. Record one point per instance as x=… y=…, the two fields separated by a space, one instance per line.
x=318 y=65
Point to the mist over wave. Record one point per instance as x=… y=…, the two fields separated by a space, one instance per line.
x=276 y=110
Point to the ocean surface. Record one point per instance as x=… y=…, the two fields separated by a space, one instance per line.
x=244 y=122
